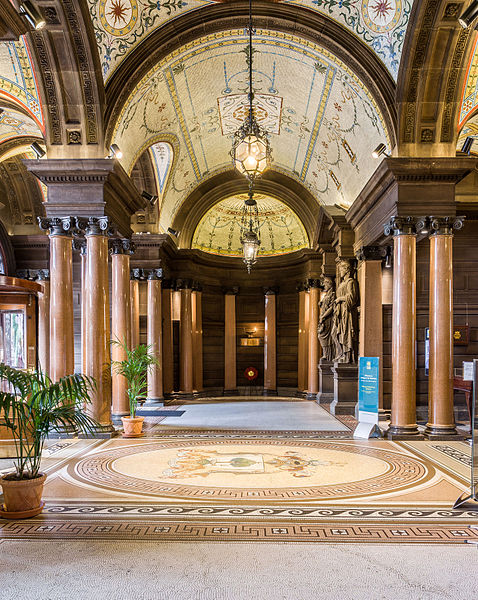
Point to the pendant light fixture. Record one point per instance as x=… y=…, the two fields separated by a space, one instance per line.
x=250 y=239
x=251 y=151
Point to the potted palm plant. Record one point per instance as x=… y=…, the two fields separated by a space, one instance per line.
x=33 y=407
x=134 y=368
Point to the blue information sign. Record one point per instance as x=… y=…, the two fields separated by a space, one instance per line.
x=368 y=384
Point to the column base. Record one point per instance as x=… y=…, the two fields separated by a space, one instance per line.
x=443 y=433
x=154 y=402
x=397 y=432
x=116 y=418
x=269 y=392
x=234 y=392
x=345 y=389
x=103 y=432
x=311 y=396
x=63 y=433
x=301 y=394
x=183 y=396
x=326 y=382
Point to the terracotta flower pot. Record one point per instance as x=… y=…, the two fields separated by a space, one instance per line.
x=22 y=497
x=133 y=427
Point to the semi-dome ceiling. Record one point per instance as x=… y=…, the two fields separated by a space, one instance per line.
x=281 y=230
x=322 y=120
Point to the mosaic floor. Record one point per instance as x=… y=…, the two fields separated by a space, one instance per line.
x=266 y=488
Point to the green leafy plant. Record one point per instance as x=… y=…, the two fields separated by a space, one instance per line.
x=134 y=369
x=35 y=406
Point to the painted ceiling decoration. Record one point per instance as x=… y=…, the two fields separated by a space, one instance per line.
x=17 y=78
x=120 y=25
x=468 y=119
x=323 y=122
x=162 y=158
x=15 y=124
x=281 y=230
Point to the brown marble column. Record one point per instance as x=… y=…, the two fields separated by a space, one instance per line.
x=186 y=372
x=155 y=372
x=134 y=299
x=62 y=359
x=81 y=244
x=97 y=318
x=44 y=321
x=313 y=342
x=371 y=314
x=197 y=339
x=270 y=343
x=120 y=321
x=303 y=341
x=441 y=417
x=403 y=415
x=230 y=375
x=168 y=362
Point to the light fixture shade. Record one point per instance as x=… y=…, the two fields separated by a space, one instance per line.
x=250 y=248
x=251 y=153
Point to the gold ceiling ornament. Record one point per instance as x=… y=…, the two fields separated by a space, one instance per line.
x=250 y=230
x=251 y=152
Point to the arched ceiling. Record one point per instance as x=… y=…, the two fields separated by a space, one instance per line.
x=121 y=25
x=323 y=122
x=219 y=230
x=14 y=124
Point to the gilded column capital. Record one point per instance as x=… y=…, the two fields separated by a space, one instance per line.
x=122 y=246
x=444 y=225
x=401 y=226
x=93 y=225
x=63 y=226
x=155 y=274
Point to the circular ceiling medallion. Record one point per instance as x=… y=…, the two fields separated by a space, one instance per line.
x=118 y=17
x=381 y=15
x=251 y=470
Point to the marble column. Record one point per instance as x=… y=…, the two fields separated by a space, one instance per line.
x=120 y=321
x=270 y=343
x=371 y=313
x=62 y=359
x=303 y=341
x=197 y=339
x=155 y=372
x=441 y=417
x=168 y=361
x=97 y=318
x=403 y=415
x=186 y=372
x=134 y=299
x=44 y=321
x=313 y=342
x=230 y=374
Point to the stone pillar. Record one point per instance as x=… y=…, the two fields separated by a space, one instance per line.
x=270 y=343
x=168 y=362
x=371 y=314
x=97 y=318
x=197 y=339
x=441 y=417
x=134 y=299
x=403 y=415
x=62 y=359
x=44 y=321
x=230 y=375
x=314 y=355
x=155 y=372
x=81 y=244
x=120 y=321
x=303 y=341
x=186 y=372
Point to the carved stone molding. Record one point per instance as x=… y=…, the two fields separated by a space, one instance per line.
x=401 y=226
x=57 y=225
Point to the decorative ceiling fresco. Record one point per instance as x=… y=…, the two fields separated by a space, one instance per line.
x=17 y=78
x=15 y=124
x=219 y=231
x=323 y=122
x=120 y=25
x=162 y=155
x=467 y=123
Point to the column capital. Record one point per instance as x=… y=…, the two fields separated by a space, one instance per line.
x=138 y=274
x=365 y=253
x=57 y=225
x=122 y=246
x=270 y=291
x=168 y=284
x=230 y=291
x=79 y=244
x=184 y=284
x=197 y=287
x=440 y=225
x=314 y=283
x=401 y=226
x=155 y=274
x=302 y=286
x=93 y=225
x=43 y=275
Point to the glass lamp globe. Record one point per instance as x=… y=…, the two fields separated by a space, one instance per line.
x=250 y=248
x=251 y=156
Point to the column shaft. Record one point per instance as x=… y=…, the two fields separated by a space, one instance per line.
x=186 y=343
x=155 y=372
x=313 y=345
x=197 y=341
x=62 y=360
x=82 y=308
x=134 y=296
x=270 y=346
x=302 y=358
x=44 y=327
x=441 y=419
x=230 y=377
x=120 y=328
x=168 y=363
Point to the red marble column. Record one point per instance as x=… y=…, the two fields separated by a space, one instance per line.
x=441 y=416
x=134 y=299
x=186 y=372
x=230 y=376
x=303 y=341
x=197 y=340
x=155 y=372
x=44 y=322
x=404 y=414
x=168 y=363
x=313 y=347
x=270 y=344
x=120 y=321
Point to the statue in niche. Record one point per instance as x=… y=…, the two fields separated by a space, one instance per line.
x=324 y=330
x=345 y=319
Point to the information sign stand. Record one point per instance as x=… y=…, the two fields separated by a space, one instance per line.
x=368 y=398
x=471 y=499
